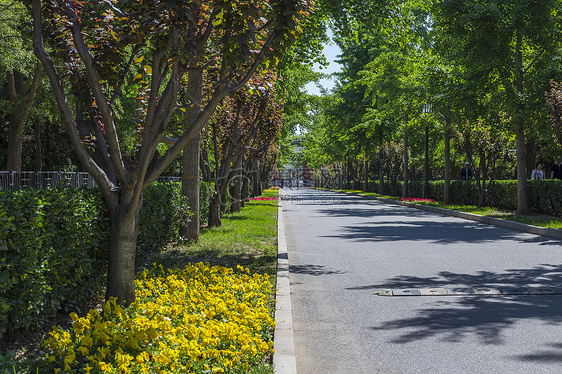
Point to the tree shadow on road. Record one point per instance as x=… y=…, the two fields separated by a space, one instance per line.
x=455 y=318
x=439 y=232
x=311 y=269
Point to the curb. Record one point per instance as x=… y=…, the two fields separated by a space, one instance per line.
x=284 y=360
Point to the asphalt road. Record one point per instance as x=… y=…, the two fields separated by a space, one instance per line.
x=343 y=248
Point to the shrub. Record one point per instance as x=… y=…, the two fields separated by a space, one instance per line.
x=464 y=192
x=545 y=196
x=52 y=245
x=163 y=211
x=502 y=194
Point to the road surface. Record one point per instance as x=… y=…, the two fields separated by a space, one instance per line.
x=342 y=249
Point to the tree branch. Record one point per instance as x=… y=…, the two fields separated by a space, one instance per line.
x=87 y=162
x=102 y=103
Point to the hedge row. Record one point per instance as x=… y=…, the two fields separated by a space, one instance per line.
x=545 y=196
x=53 y=247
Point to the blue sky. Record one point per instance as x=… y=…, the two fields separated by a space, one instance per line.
x=331 y=51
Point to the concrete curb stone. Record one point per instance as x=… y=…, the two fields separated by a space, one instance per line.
x=284 y=360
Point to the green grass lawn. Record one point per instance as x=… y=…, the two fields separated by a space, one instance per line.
x=247 y=238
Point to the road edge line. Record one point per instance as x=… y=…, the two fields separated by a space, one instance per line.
x=284 y=360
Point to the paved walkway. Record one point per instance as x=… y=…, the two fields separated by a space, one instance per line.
x=342 y=249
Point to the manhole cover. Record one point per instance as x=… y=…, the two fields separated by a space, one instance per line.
x=460 y=291
x=407 y=292
x=486 y=291
x=433 y=291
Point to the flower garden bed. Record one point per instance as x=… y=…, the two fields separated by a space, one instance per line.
x=202 y=319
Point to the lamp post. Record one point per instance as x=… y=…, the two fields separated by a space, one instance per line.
x=426 y=108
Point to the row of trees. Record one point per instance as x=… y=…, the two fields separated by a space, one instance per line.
x=479 y=68
x=142 y=87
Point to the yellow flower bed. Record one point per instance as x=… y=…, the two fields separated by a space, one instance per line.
x=201 y=319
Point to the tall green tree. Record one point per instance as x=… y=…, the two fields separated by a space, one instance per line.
x=104 y=51
x=23 y=74
x=506 y=40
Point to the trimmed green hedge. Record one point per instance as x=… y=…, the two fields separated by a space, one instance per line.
x=53 y=247
x=545 y=196
x=164 y=210
x=53 y=250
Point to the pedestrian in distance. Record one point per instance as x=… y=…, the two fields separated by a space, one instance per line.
x=556 y=170
x=538 y=172
x=466 y=173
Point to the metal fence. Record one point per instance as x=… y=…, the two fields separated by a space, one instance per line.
x=53 y=179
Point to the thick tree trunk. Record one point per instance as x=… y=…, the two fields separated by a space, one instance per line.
x=530 y=156
x=191 y=155
x=21 y=107
x=123 y=234
x=215 y=211
x=190 y=187
x=405 y=191
x=15 y=138
x=237 y=186
x=522 y=191
x=447 y=155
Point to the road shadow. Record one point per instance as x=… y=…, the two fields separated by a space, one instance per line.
x=453 y=319
x=549 y=354
x=438 y=232
x=312 y=269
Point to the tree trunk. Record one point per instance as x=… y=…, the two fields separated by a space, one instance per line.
x=522 y=192
x=21 y=107
x=205 y=165
x=191 y=155
x=244 y=194
x=366 y=189
x=257 y=184
x=481 y=180
x=405 y=191
x=381 y=181
x=447 y=155
x=215 y=211
x=123 y=234
x=190 y=187
x=530 y=156
x=15 y=138
x=237 y=186
x=255 y=177
x=38 y=149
